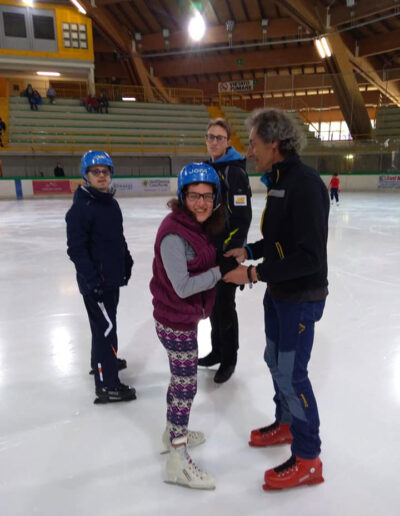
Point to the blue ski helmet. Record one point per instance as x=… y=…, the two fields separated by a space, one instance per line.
x=198 y=173
x=94 y=157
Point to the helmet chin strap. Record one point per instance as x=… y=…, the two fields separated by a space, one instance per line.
x=217 y=206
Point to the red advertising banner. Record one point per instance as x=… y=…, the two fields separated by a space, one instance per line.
x=54 y=187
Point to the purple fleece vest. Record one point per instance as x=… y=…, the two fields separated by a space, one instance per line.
x=169 y=308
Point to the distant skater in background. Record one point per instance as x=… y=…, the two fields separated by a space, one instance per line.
x=334 y=187
x=183 y=288
x=97 y=246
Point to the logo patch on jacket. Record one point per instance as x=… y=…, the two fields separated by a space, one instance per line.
x=276 y=193
x=239 y=200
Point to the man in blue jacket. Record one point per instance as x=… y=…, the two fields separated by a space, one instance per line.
x=236 y=198
x=97 y=246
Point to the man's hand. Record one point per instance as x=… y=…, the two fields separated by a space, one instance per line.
x=237 y=276
x=239 y=253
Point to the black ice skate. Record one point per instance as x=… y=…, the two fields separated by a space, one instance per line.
x=119 y=393
x=121 y=365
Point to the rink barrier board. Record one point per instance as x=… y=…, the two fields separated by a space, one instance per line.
x=22 y=188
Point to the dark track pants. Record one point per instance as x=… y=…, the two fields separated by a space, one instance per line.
x=103 y=324
x=289 y=329
x=224 y=324
x=334 y=194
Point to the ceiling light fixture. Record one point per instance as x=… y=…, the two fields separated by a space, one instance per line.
x=197 y=27
x=49 y=74
x=323 y=47
x=78 y=6
x=129 y=99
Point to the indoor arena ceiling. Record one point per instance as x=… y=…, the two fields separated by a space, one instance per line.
x=268 y=41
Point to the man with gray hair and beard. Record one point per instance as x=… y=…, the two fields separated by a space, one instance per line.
x=294 y=267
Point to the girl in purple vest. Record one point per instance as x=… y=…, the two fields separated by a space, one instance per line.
x=183 y=288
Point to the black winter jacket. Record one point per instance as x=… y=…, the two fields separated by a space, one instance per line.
x=295 y=230
x=236 y=198
x=96 y=242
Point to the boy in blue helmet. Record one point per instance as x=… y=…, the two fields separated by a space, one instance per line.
x=94 y=219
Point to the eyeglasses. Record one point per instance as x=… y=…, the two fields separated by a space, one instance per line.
x=194 y=196
x=212 y=137
x=98 y=171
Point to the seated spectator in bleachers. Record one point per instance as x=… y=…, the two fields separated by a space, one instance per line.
x=103 y=102
x=36 y=99
x=29 y=93
x=51 y=94
x=2 y=128
x=91 y=104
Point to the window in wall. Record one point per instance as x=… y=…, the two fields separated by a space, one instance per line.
x=14 y=25
x=75 y=35
x=43 y=27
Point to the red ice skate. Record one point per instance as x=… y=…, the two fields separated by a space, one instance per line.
x=271 y=435
x=294 y=472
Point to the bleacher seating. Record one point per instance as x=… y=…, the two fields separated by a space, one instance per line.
x=388 y=123
x=237 y=117
x=153 y=128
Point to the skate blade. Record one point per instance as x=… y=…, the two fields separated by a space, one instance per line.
x=99 y=401
x=255 y=445
x=181 y=484
x=311 y=482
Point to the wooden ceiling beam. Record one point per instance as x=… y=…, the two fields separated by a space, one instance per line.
x=120 y=36
x=306 y=12
x=243 y=32
x=225 y=63
x=104 y=3
x=135 y=21
x=145 y=12
x=346 y=88
x=344 y=81
x=343 y=14
x=253 y=9
x=379 y=44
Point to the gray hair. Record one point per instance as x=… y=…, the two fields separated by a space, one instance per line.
x=277 y=125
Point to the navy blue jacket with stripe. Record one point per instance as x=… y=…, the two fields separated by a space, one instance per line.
x=236 y=198
x=295 y=231
x=96 y=242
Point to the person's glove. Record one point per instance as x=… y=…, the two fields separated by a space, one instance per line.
x=227 y=265
x=98 y=293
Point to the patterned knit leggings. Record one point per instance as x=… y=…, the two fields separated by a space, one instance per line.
x=182 y=352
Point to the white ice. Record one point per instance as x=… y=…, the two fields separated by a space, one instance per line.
x=62 y=455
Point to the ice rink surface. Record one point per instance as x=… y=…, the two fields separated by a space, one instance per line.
x=62 y=455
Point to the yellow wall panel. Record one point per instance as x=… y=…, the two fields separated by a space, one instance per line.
x=63 y=14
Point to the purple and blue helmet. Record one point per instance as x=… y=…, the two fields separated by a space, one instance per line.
x=198 y=173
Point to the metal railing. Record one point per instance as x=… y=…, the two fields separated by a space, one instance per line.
x=115 y=92
x=71 y=141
